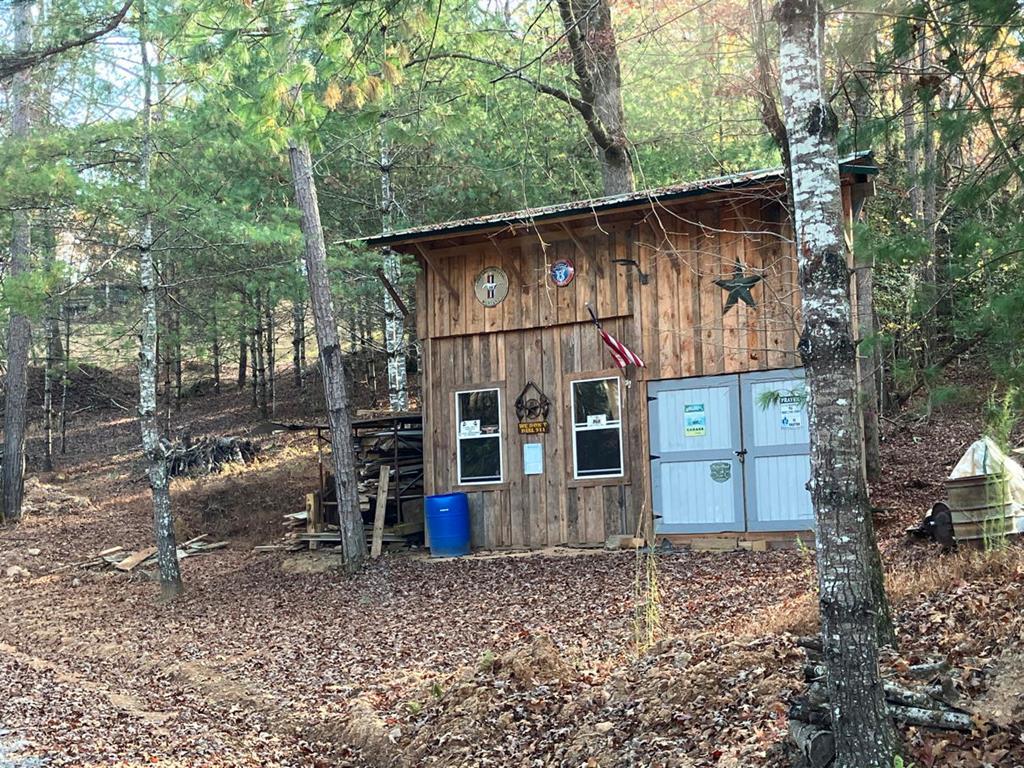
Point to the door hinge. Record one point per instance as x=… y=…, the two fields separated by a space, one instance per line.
x=654 y=458
x=651 y=398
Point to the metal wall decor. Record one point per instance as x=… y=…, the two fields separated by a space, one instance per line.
x=532 y=407
x=491 y=286
x=562 y=272
x=738 y=286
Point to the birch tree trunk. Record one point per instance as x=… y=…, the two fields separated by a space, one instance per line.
x=159 y=480
x=48 y=373
x=331 y=364
x=19 y=331
x=394 y=323
x=864 y=733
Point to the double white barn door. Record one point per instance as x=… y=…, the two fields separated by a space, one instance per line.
x=730 y=453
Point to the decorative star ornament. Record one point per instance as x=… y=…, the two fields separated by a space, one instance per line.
x=738 y=286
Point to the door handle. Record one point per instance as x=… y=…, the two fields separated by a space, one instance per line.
x=741 y=454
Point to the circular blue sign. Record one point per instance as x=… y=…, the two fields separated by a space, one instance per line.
x=562 y=272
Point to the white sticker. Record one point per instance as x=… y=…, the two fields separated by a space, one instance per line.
x=792 y=412
x=533 y=459
x=696 y=422
x=469 y=428
x=597 y=420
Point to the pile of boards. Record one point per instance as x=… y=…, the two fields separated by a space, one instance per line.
x=395 y=443
x=208 y=455
x=119 y=559
x=295 y=524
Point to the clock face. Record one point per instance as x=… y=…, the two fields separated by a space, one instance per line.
x=491 y=286
x=562 y=272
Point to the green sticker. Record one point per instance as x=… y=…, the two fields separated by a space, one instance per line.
x=695 y=423
x=721 y=471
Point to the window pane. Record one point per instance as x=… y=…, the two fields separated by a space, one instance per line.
x=481 y=459
x=594 y=398
x=597 y=452
x=480 y=406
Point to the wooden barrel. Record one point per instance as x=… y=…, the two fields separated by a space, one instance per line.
x=981 y=507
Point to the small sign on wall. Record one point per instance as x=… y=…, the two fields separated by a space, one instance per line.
x=791 y=409
x=695 y=420
x=470 y=428
x=534 y=428
x=533 y=459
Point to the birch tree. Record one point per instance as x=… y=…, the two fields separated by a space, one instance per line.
x=19 y=329
x=864 y=734
x=394 y=324
x=149 y=421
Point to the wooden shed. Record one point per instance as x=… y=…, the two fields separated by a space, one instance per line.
x=525 y=409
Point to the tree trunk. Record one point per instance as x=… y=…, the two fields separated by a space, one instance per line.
x=271 y=355
x=595 y=59
x=52 y=342
x=331 y=364
x=243 y=354
x=19 y=331
x=298 y=340
x=216 y=351
x=254 y=370
x=394 y=322
x=260 y=358
x=159 y=481
x=65 y=379
x=863 y=732
x=176 y=316
x=929 y=183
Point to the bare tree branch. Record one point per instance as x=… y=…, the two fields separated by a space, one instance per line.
x=11 y=64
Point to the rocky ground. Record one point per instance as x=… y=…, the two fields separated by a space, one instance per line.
x=280 y=660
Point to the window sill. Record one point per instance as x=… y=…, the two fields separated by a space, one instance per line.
x=476 y=487
x=593 y=482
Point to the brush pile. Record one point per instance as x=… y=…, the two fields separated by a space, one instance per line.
x=208 y=455
x=921 y=695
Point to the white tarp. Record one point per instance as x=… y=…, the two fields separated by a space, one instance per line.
x=985 y=457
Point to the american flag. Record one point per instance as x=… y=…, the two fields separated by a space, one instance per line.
x=622 y=354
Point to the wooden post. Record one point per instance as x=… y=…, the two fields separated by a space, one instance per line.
x=313 y=516
x=378 y=517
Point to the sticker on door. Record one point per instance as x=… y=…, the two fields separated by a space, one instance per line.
x=695 y=421
x=791 y=409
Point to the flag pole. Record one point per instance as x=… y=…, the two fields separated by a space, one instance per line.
x=593 y=317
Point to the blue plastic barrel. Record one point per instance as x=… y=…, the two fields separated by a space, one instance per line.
x=448 y=524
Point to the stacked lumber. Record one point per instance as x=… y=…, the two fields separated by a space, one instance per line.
x=921 y=695
x=208 y=455
x=395 y=443
x=117 y=558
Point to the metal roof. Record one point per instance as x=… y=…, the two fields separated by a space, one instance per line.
x=859 y=162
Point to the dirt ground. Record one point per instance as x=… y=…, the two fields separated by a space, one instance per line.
x=281 y=660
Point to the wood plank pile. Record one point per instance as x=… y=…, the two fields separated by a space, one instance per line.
x=921 y=695
x=117 y=558
x=396 y=443
x=208 y=455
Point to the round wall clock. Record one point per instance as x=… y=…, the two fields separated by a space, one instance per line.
x=491 y=286
x=562 y=272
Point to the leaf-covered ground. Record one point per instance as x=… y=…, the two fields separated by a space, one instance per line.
x=280 y=660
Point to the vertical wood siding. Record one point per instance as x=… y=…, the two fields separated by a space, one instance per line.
x=542 y=333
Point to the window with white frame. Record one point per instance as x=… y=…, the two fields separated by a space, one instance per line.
x=596 y=428
x=478 y=429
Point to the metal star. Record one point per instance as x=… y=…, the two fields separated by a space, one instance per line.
x=739 y=286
